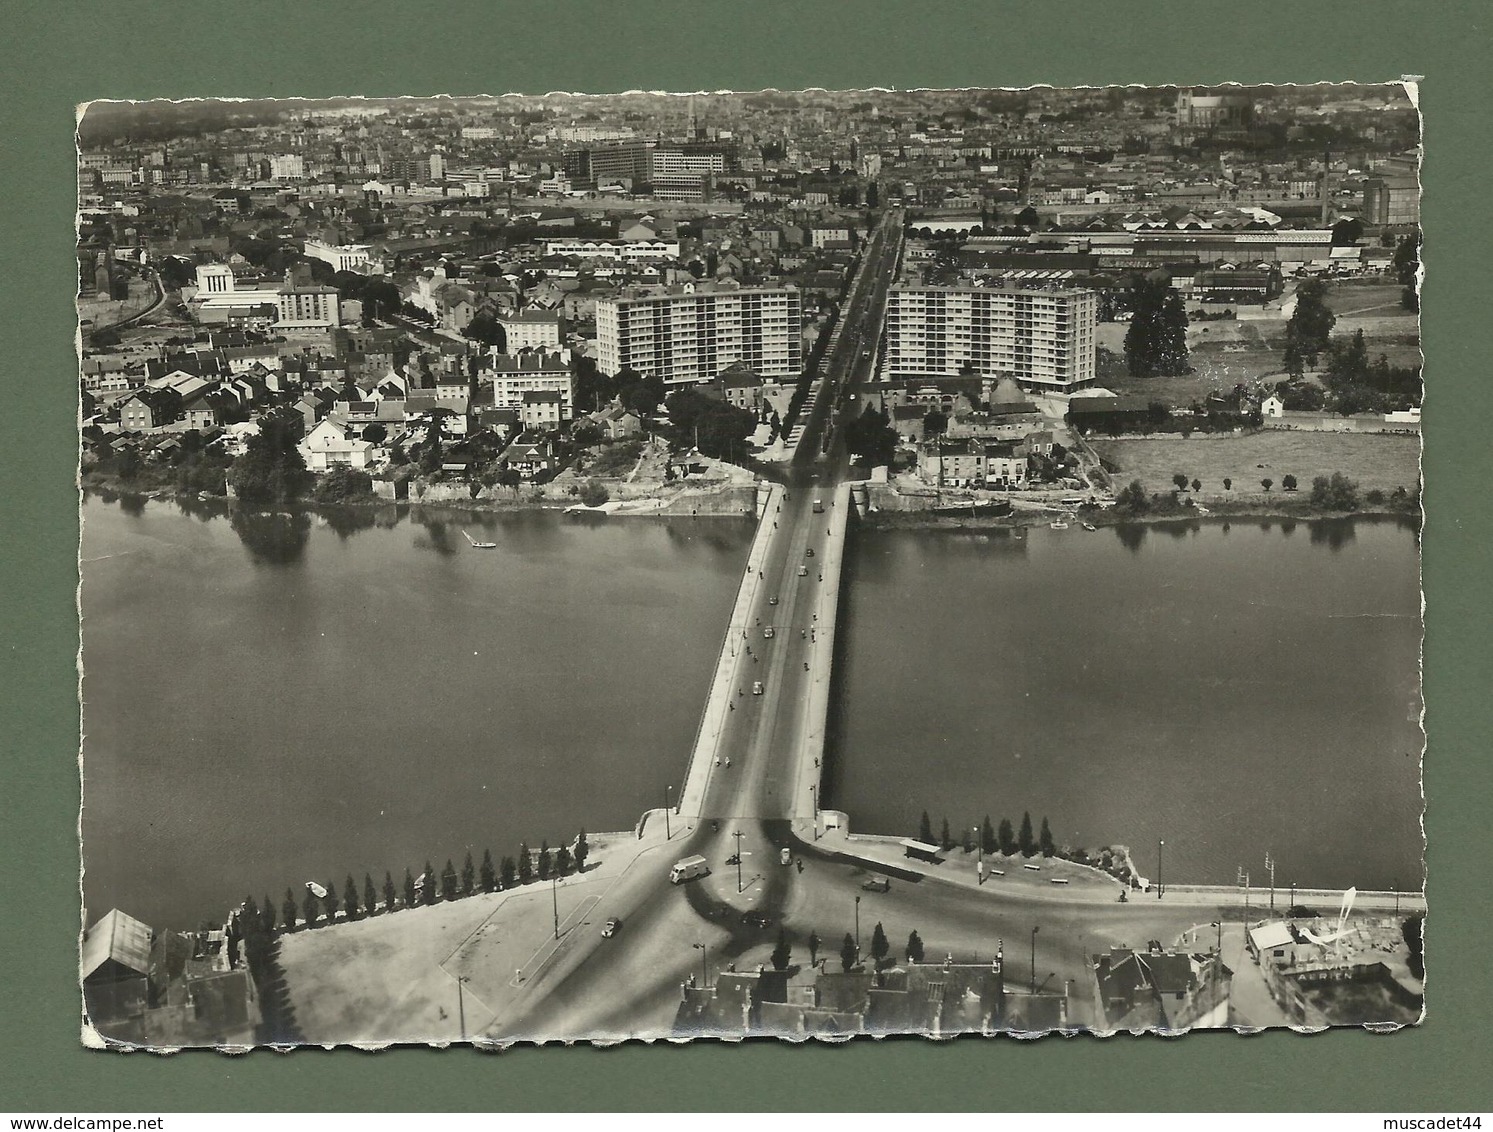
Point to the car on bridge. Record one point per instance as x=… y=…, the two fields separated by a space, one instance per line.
x=773 y=600
x=769 y=631
x=809 y=553
x=802 y=570
x=614 y=926
x=756 y=687
x=878 y=884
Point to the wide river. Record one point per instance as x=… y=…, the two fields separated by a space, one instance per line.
x=275 y=702
x=270 y=700
x=1233 y=689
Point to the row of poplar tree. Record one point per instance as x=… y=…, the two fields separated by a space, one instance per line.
x=429 y=888
x=1004 y=839
x=850 y=955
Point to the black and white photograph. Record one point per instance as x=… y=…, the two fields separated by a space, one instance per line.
x=803 y=565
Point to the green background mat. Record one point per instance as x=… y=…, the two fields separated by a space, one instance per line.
x=59 y=54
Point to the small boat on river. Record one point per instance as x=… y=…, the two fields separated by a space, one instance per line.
x=479 y=545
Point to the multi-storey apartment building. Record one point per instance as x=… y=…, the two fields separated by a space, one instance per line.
x=1044 y=339
x=690 y=333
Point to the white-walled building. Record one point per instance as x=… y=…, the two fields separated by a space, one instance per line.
x=1044 y=339
x=306 y=305
x=532 y=329
x=691 y=332
x=287 y=167
x=627 y=251
x=214 y=279
x=345 y=257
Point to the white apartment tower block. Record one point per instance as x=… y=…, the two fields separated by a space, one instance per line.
x=1044 y=339
x=690 y=333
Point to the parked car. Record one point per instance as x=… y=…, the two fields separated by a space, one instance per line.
x=878 y=884
x=614 y=926
x=768 y=632
x=756 y=687
x=802 y=570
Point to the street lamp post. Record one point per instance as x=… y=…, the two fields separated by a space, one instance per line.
x=979 y=857
x=555 y=899
x=1293 y=898
x=857 y=927
x=738 y=835
x=704 y=971
x=1159 y=846
x=814 y=797
x=1035 y=929
x=668 y=804
x=1270 y=867
x=461 y=1008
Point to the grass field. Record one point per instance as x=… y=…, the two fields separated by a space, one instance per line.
x=1383 y=462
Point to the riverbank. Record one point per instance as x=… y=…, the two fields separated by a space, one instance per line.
x=1299 y=509
x=725 y=500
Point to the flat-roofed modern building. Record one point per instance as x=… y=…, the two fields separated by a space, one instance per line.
x=690 y=333
x=1044 y=339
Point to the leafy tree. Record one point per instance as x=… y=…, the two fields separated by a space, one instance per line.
x=935 y=423
x=343 y=484
x=1228 y=484
x=880 y=947
x=1337 y=493
x=1133 y=498
x=594 y=493
x=1288 y=483
x=1156 y=340
x=488 y=330
x=988 y=843
x=489 y=876
x=409 y=889
x=1295 y=364
x=1180 y=479
x=1007 y=837
x=1044 y=840
x=543 y=866
x=945 y=842
x=871 y=437
x=331 y=902
x=925 y=830
x=525 y=864
x=1027 y=841
x=968 y=841
x=267 y=915
x=350 y=898
x=1310 y=325
x=581 y=852
x=468 y=875
x=370 y=895
x=272 y=469
x=563 y=861
x=847 y=952
x=783 y=952
x=813 y=948
x=288 y=911
x=432 y=884
x=311 y=909
x=449 y=881
x=914 y=948
x=1197 y=485
x=388 y=892
x=1267 y=483
x=508 y=872
x=721 y=428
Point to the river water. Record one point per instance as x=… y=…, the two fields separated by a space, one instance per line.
x=270 y=700
x=275 y=700
x=1230 y=688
